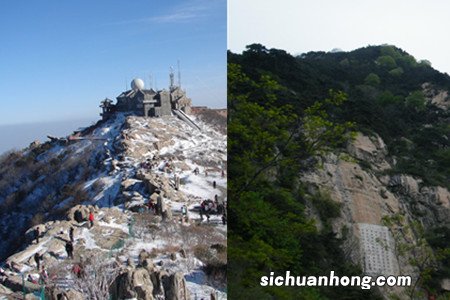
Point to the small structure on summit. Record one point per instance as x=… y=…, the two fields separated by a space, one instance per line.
x=148 y=102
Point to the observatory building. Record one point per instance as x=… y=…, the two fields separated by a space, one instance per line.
x=148 y=102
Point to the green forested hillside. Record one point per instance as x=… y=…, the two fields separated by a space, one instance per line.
x=286 y=111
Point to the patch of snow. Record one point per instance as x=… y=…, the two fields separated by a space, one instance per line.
x=90 y=242
x=110 y=190
x=123 y=227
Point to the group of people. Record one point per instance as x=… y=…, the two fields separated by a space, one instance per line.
x=156 y=205
x=42 y=271
x=43 y=277
x=150 y=163
x=69 y=244
x=69 y=247
x=197 y=171
x=208 y=207
x=168 y=165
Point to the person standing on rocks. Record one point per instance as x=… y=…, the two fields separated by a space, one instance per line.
x=159 y=204
x=37 y=234
x=71 y=234
x=214 y=184
x=224 y=218
x=31 y=279
x=69 y=249
x=37 y=259
x=76 y=269
x=184 y=212
x=43 y=276
x=177 y=182
x=3 y=275
x=91 y=219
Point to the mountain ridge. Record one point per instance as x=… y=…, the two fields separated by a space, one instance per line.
x=114 y=168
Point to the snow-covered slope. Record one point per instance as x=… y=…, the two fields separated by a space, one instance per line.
x=114 y=169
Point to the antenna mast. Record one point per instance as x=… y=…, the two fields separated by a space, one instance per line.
x=150 y=82
x=171 y=75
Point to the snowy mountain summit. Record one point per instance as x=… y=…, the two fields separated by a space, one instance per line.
x=129 y=208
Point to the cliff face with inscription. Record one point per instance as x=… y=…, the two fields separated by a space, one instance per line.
x=370 y=197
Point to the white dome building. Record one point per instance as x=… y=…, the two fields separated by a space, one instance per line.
x=148 y=102
x=137 y=84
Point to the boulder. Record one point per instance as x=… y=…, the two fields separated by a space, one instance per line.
x=157 y=279
x=31 y=297
x=143 y=255
x=405 y=184
x=445 y=284
x=69 y=294
x=78 y=213
x=4 y=290
x=175 y=287
x=131 y=184
x=149 y=265
x=183 y=253
x=154 y=182
x=15 y=283
x=167 y=214
x=173 y=256
x=134 y=283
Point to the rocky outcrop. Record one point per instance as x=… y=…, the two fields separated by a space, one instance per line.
x=154 y=182
x=135 y=283
x=440 y=98
x=367 y=194
x=175 y=287
x=4 y=290
x=16 y=283
x=69 y=294
x=371 y=149
x=445 y=284
x=80 y=213
x=430 y=205
x=148 y=283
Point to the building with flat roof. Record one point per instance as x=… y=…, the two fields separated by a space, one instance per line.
x=148 y=102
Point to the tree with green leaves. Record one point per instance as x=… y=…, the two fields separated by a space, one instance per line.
x=372 y=79
x=416 y=100
x=387 y=61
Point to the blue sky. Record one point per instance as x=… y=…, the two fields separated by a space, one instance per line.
x=58 y=59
